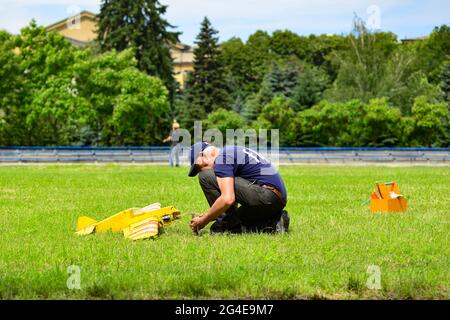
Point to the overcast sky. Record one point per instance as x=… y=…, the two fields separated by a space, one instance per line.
x=240 y=18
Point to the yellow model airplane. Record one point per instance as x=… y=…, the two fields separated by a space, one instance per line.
x=135 y=223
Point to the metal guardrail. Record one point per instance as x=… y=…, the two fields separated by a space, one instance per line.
x=160 y=155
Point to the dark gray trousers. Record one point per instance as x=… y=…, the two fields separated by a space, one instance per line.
x=259 y=207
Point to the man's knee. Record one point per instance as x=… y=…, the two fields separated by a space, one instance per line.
x=207 y=178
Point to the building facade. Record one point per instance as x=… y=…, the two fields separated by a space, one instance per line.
x=81 y=29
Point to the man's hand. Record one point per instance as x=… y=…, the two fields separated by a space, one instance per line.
x=197 y=223
x=221 y=204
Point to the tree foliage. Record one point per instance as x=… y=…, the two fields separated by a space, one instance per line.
x=374 y=124
x=278 y=114
x=445 y=82
x=434 y=51
x=428 y=125
x=11 y=87
x=375 y=65
x=206 y=89
x=140 y=24
x=222 y=120
x=360 y=89
x=59 y=95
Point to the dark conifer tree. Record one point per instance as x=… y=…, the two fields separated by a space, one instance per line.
x=206 y=86
x=445 y=81
x=140 y=23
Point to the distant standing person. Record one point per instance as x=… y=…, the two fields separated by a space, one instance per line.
x=174 y=137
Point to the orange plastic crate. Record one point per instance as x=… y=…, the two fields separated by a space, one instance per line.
x=387 y=198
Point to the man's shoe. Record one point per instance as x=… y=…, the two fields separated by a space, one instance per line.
x=283 y=224
x=227 y=223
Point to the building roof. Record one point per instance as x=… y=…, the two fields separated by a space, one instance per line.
x=182 y=54
x=63 y=22
x=414 y=39
x=90 y=15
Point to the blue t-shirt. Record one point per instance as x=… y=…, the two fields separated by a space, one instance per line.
x=236 y=161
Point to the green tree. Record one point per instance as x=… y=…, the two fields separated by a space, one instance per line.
x=57 y=113
x=206 y=87
x=434 y=51
x=403 y=81
x=222 y=120
x=287 y=43
x=11 y=85
x=130 y=107
x=252 y=107
x=98 y=99
x=330 y=124
x=380 y=125
x=238 y=105
x=44 y=58
x=280 y=80
x=278 y=114
x=311 y=83
x=445 y=82
x=428 y=125
x=352 y=123
x=248 y=63
x=139 y=110
x=259 y=57
x=321 y=50
x=376 y=66
x=140 y=24
x=183 y=112
x=361 y=67
x=238 y=72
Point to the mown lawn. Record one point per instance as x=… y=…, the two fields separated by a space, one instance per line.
x=333 y=240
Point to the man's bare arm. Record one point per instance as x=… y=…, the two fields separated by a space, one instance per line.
x=222 y=203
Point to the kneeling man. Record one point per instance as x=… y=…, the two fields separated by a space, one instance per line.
x=232 y=176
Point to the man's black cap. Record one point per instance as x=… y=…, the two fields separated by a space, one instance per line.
x=195 y=151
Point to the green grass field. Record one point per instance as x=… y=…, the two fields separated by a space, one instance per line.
x=333 y=239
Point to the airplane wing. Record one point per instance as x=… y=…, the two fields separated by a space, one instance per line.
x=144 y=229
